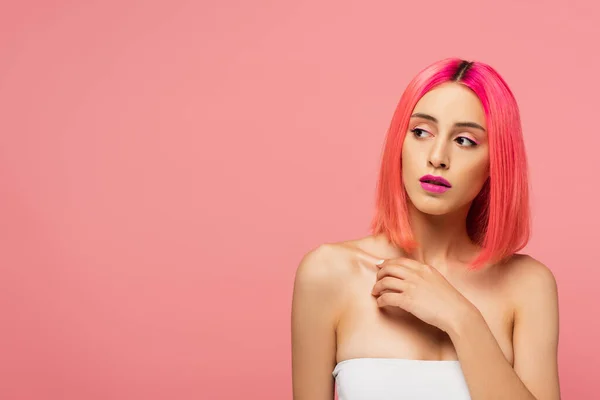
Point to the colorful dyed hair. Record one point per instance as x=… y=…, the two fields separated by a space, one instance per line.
x=499 y=217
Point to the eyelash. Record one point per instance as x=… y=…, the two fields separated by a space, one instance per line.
x=414 y=131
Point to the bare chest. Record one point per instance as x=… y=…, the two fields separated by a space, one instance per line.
x=365 y=330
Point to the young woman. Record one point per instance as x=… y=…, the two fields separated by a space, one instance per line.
x=436 y=303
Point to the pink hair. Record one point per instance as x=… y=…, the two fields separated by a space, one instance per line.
x=499 y=217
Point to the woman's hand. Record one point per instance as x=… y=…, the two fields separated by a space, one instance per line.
x=423 y=291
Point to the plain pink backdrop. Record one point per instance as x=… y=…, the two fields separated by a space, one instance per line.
x=165 y=165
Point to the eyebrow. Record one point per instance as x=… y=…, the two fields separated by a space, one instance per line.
x=458 y=124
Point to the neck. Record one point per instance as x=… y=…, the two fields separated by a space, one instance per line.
x=443 y=239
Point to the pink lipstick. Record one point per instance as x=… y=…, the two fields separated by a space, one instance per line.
x=434 y=184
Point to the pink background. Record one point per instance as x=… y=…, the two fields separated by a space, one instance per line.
x=165 y=165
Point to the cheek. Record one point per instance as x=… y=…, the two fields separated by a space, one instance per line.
x=407 y=167
x=483 y=168
x=477 y=174
x=479 y=170
x=408 y=156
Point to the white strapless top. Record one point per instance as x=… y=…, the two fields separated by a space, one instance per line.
x=400 y=379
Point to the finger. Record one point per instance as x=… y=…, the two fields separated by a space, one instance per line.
x=407 y=262
x=395 y=271
x=394 y=299
x=389 y=284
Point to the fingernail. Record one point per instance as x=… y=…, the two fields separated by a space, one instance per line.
x=379 y=262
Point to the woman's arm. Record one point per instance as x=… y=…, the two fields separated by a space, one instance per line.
x=315 y=305
x=535 y=340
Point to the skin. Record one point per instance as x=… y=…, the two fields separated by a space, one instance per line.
x=500 y=321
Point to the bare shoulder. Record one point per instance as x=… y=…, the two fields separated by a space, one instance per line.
x=320 y=266
x=317 y=303
x=317 y=281
x=529 y=278
x=528 y=270
x=331 y=268
x=325 y=266
x=536 y=326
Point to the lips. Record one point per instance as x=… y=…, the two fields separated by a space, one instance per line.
x=435 y=180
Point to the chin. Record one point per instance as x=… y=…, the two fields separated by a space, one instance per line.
x=432 y=206
x=432 y=209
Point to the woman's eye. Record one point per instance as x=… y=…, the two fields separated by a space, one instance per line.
x=418 y=131
x=466 y=142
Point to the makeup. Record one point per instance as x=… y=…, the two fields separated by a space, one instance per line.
x=434 y=184
x=430 y=187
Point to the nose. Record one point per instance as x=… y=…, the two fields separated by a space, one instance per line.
x=438 y=156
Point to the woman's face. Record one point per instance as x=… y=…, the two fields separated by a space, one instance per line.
x=446 y=138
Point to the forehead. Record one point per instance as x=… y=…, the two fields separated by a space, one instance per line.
x=452 y=102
